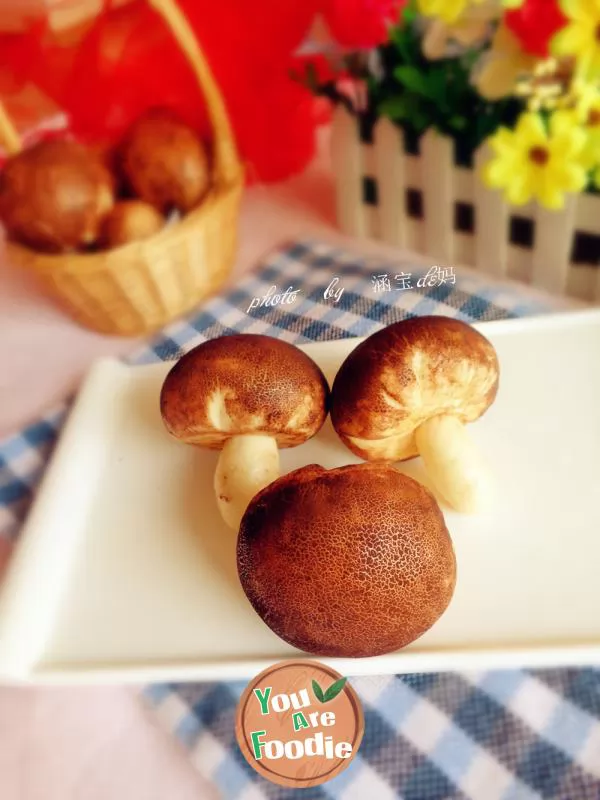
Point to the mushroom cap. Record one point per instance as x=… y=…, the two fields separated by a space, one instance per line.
x=164 y=161
x=244 y=384
x=405 y=374
x=54 y=195
x=130 y=221
x=354 y=561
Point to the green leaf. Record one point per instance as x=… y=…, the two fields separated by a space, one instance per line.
x=411 y=12
x=334 y=689
x=437 y=86
x=418 y=115
x=318 y=692
x=405 y=43
x=413 y=79
x=394 y=108
x=458 y=122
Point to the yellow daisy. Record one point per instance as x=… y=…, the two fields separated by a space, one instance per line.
x=447 y=10
x=580 y=38
x=531 y=163
x=591 y=150
x=583 y=96
x=587 y=116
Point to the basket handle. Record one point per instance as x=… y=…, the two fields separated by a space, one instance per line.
x=228 y=167
x=227 y=163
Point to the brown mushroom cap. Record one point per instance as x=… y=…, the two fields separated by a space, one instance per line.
x=164 y=162
x=54 y=195
x=244 y=384
x=408 y=373
x=354 y=561
x=130 y=221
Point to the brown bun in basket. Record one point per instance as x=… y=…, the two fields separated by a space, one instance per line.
x=54 y=196
x=138 y=288
x=130 y=221
x=348 y=562
x=164 y=162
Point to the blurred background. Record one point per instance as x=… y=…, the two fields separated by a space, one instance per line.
x=494 y=105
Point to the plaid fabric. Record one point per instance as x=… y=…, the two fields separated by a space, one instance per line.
x=499 y=735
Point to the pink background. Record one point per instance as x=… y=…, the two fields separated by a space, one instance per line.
x=100 y=743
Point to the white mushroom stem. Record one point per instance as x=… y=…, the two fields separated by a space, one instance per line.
x=246 y=465
x=453 y=463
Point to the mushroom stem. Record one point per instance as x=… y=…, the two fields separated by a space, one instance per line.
x=453 y=462
x=246 y=465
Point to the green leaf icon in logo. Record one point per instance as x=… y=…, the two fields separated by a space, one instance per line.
x=331 y=692
x=318 y=692
x=335 y=689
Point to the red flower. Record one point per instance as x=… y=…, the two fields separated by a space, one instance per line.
x=535 y=23
x=361 y=23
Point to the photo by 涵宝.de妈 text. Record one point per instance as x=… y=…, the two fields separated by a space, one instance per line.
x=381 y=282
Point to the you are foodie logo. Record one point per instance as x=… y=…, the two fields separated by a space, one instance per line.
x=299 y=723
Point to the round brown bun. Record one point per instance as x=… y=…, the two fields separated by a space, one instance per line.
x=164 y=162
x=55 y=195
x=406 y=374
x=354 y=561
x=130 y=221
x=244 y=384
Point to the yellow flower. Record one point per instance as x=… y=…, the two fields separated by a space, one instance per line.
x=587 y=116
x=497 y=71
x=591 y=150
x=580 y=38
x=532 y=163
x=447 y=10
x=583 y=96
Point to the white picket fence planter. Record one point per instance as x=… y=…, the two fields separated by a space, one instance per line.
x=461 y=221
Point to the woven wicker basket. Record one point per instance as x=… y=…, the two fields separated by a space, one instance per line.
x=139 y=287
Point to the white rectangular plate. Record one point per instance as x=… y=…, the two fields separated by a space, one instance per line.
x=124 y=570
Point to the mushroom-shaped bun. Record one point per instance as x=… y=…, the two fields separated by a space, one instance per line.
x=247 y=395
x=410 y=389
x=55 y=195
x=353 y=561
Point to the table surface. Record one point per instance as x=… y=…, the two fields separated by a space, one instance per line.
x=99 y=743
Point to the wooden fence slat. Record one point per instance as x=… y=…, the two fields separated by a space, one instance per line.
x=491 y=223
x=463 y=180
x=413 y=172
x=587 y=220
x=463 y=240
x=391 y=182
x=546 y=265
x=437 y=158
x=552 y=246
x=347 y=165
x=587 y=214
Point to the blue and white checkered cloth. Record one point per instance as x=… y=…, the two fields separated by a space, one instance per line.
x=496 y=735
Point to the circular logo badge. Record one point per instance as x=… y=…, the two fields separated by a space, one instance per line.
x=299 y=723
